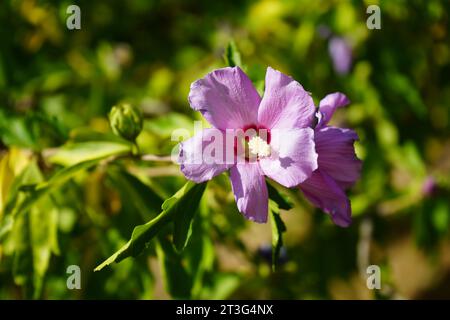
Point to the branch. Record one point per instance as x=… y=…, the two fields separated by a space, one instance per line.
x=152 y=157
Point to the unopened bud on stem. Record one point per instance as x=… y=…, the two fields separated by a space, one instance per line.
x=126 y=121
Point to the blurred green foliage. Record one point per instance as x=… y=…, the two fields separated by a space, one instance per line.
x=71 y=193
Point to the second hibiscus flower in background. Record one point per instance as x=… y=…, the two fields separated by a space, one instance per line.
x=338 y=166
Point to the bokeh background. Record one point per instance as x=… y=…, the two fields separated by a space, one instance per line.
x=58 y=85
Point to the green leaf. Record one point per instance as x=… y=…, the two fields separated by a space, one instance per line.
x=278 y=227
x=34 y=130
x=88 y=134
x=177 y=281
x=6 y=179
x=164 y=125
x=183 y=218
x=32 y=241
x=59 y=178
x=30 y=175
x=223 y=284
x=232 y=55
x=440 y=217
x=281 y=199
x=15 y=132
x=411 y=159
x=33 y=237
x=135 y=193
x=200 y=250
x=184 y=272
x=405 y=89
x=182 y=228
x=185 y=200
x=75 y=153
x=23 y=201
x=65 y=174
x=23 y=254
x=44 y=228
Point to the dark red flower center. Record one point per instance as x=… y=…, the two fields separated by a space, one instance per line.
x=242 y=141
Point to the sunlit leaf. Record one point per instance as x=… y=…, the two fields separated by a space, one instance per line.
x=75 y=153
x=182 y=230
x=441 y=217
x=278 y=227
x=33 y=238
x=23 y=254
x=36 y=130
x=164 y=125
x=30 y=193
x=232 y=55
x=44 y=240
x=281 y=199
x=176 y=279
x=186 y=199
x=200 y=252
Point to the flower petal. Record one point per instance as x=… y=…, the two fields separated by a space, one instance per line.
x=337 y=155
x=328 y=105
x=324 y=193
x=250 y=191
x=204 y=156
x=226 y=98
x=285 y=103
x=293 y=157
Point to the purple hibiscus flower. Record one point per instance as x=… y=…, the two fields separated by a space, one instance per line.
x=285 y=152
x=339 y=167
x=341 y=54
x=429 y=186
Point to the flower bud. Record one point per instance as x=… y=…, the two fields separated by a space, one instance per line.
x=429 y=186
x=126 y=121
